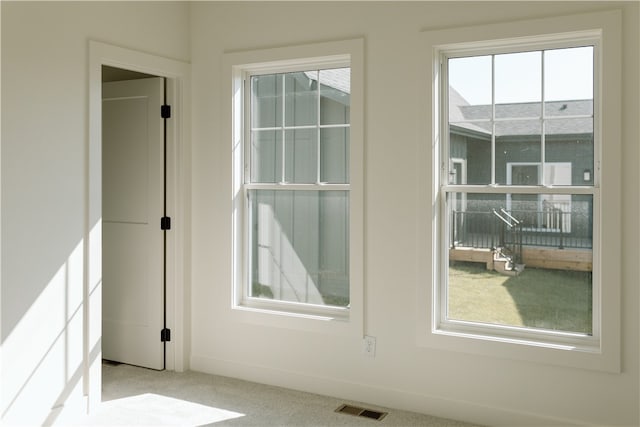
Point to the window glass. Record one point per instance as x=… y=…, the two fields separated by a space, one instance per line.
x=300 y=246
x=301 y=98
x=470 y=88
x=299 y=235
x=335 y=96
x=266 y=102
x=518 y=84
x=334 y=155
x=301 y=155
x=521 y=260
x=266 y=156
x=568 y=76
x=524 y=258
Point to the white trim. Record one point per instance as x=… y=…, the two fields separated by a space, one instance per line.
x=281 y=62
x=236 y=67
x=178 y=84
x=605 y=355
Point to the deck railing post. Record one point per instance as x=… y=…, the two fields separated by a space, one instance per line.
x=493 y=232
x=561 y=224
x=453 y=228
x=519 y=243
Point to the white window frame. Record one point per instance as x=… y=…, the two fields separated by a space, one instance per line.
x=602 y=350
x=238 y=68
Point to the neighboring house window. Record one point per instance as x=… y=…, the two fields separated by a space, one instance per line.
x=522 y=153
x=297 y=146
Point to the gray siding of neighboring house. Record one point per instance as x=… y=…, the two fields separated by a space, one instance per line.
x=301 y=239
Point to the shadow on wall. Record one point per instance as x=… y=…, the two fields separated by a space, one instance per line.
x=43 y=347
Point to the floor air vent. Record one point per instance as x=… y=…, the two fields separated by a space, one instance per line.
x=361 y=412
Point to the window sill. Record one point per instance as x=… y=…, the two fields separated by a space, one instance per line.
x=521 y=336
x=580 y=352
x=283 y=308
x=302 y=317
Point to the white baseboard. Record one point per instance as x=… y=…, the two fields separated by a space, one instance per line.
x=376 y=395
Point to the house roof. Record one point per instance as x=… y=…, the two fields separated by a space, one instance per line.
x=522 y=117
x=337 y=78
x=334 y=83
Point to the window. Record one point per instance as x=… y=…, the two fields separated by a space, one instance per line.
x=525 y=142
x=298 y=179
x=521 y=247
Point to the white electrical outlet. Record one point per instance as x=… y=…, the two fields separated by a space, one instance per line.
x=369 y=346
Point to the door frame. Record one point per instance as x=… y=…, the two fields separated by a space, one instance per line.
x=177 y=76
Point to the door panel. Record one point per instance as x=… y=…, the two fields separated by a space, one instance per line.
x=125 y=247
x=133 y=203
x=125 y=157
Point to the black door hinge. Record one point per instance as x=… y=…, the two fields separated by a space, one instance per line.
x=165 y=335
x=165 y=111
x=165 y=223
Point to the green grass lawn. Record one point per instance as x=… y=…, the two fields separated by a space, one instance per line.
x=537 y=298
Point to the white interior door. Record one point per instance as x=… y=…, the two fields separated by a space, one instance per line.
x=133 y=204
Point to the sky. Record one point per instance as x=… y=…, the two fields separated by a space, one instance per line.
x=568 y=75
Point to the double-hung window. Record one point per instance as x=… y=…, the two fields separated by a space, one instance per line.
x=519 y=189
x=295 y=169
x=526 y=190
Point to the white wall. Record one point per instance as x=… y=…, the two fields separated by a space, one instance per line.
x=44 y=169
x=403 y=374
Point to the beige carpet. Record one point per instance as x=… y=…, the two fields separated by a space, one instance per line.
x=140 y=397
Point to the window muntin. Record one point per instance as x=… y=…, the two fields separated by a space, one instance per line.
x=297 y=188
x=523 y=130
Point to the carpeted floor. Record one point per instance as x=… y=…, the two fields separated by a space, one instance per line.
x=140 y=397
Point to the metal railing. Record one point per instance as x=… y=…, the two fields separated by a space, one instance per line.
x=550 y=227
x=510 y=230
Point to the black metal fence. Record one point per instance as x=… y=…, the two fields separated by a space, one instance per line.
x=551 y=227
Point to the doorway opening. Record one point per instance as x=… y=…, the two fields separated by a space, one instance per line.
x=125 y=64
x=134 y=224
